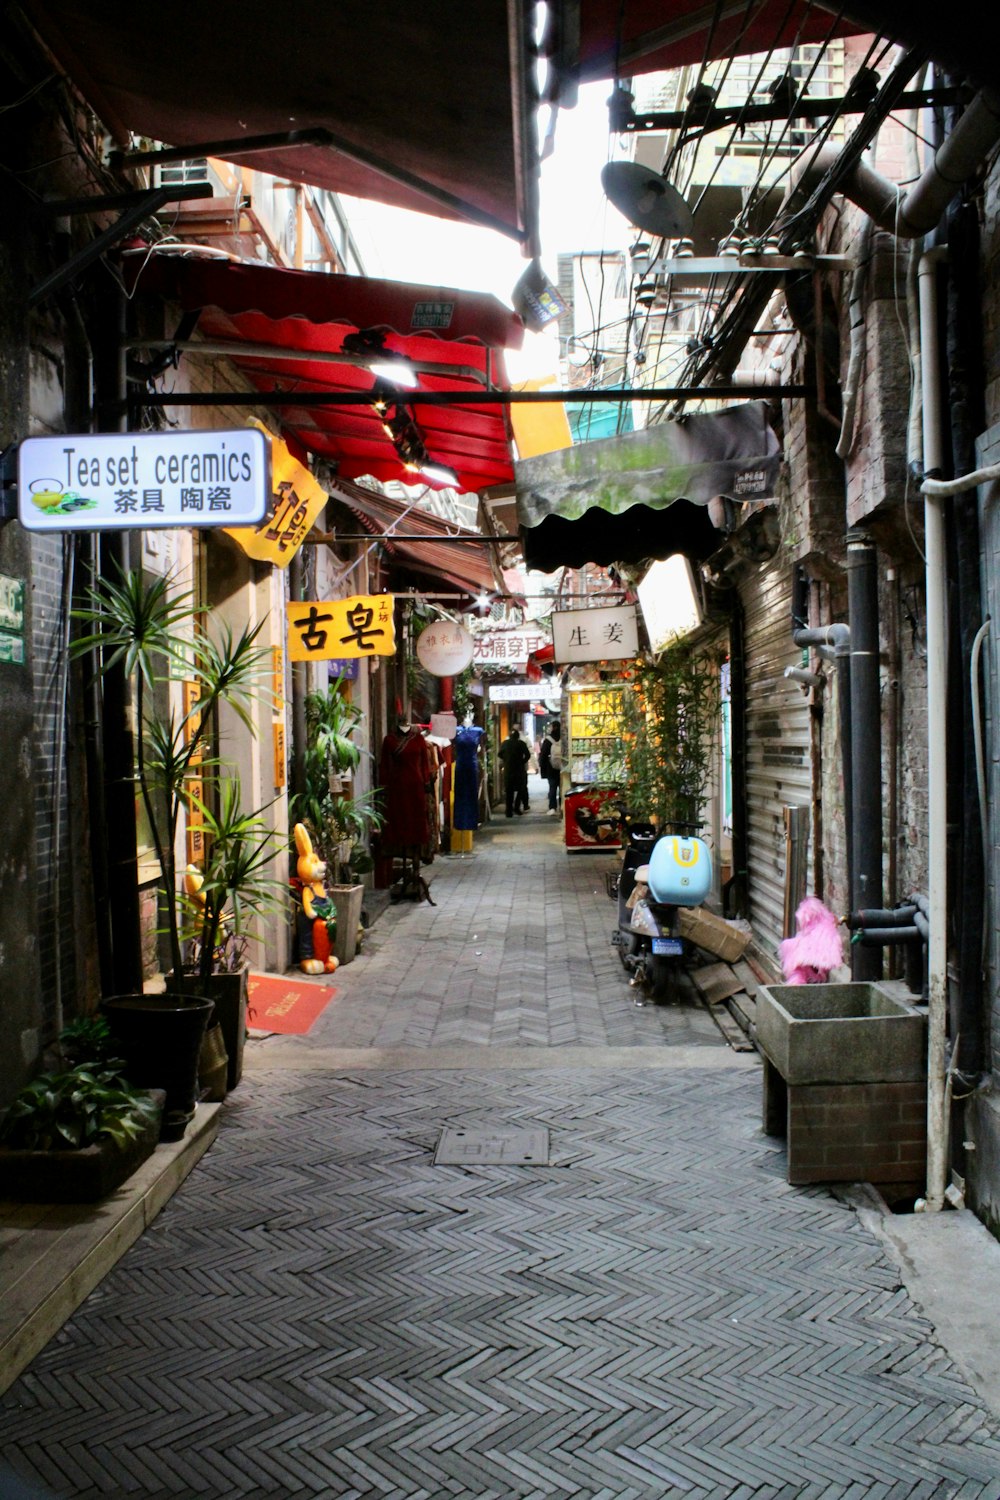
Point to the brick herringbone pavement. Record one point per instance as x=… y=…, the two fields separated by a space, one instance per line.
x=321 y=1311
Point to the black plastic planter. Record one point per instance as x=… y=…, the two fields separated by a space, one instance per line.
x=159 y=1037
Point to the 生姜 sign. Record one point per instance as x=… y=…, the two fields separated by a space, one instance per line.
x=113 y=481
x=359 y=626
x=603 y=634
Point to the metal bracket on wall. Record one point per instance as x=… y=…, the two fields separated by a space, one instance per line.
x=135 y=206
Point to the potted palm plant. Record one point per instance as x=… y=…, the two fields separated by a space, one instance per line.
x=159 y=634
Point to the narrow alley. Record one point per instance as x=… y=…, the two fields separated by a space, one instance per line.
x=647 y=1309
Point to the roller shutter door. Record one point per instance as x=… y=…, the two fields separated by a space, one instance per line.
x=778 y=769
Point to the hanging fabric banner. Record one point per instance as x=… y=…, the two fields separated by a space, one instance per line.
x=296 y=501
x=338 y=628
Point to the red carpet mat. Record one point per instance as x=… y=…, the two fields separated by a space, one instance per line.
x=289 y=1006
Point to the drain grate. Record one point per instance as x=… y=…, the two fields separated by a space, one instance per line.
x=505 y=1146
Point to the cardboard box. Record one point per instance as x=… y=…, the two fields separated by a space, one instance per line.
x=712 y=933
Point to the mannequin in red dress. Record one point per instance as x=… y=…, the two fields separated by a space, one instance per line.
x=404 y=772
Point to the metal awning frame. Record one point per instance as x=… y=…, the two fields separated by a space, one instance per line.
x=730 y=392
x=241 y=146
x=137 y=207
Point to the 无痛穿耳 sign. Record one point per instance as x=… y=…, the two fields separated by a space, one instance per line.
x=112 y=481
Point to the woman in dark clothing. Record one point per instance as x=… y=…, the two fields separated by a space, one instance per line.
x=514 y=757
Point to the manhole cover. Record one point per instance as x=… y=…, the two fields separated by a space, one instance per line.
x=507 y=1146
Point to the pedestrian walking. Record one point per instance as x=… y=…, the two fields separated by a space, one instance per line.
x=514 y=755
x=550 y=764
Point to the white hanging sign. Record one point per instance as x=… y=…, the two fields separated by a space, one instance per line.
x=444 y=648
x=523 y=692
x=444 y=726
x=115 y=481
x=606 y=634
x=507 y=648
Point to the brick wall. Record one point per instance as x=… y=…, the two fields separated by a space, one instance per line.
x=849 y=1132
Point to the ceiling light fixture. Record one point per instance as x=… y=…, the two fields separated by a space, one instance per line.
x=439 y=473
x=385 y=364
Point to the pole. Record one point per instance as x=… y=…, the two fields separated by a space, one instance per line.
x=937 y=745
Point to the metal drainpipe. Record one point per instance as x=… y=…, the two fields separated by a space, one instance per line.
x=119 y=742
x=296 y=571
x=866 y=742
x=937 y=766
x=834 y=643
x=736 y=894
x=892 y=754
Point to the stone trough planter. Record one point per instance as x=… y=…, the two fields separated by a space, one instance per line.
x=845 y=1069
x=841 y=1033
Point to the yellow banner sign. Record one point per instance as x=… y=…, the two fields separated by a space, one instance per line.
x=359 y=626
x=296 y=501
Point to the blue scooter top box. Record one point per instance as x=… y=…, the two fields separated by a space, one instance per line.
x=680 y=871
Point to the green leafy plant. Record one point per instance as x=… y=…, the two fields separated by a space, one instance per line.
x=159 y=635
x=67 y=1111
x=332 y=817
x=666 y=724
x=86 y=1040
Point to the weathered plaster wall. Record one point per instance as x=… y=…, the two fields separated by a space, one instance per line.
x=982 y=1118
x=20 y=996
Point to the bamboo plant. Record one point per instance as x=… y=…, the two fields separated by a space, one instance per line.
x=666 y=725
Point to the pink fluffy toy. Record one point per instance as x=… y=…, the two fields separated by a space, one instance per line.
x=816 y=948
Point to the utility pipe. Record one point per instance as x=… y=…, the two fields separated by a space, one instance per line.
x=916 y=212
x=937 y=689
x=877 y=937
x=866 y=739
x=833 y=642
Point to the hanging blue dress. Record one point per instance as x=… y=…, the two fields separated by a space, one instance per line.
x=465 y=746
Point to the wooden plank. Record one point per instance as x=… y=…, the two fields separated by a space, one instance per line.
x=748 y=979
x=716 y=982
x=742 y=1009
x=732 y=1033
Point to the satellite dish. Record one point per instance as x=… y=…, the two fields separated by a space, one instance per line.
x=646 y=199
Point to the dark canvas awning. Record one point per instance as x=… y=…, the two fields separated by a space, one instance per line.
x=285 y=330
x=425 y=107
x=646 y=36
x=615 y=39
x=463 y=564
x=644 y=494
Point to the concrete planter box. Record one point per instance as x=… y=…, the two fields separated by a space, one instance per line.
x=841 y=1033
x=845 y=1069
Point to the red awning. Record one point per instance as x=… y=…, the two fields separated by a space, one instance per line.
x=423 y=107
x=647 y=36
x=266 y=319
x=463 y=564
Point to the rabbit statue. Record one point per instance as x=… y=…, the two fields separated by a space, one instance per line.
x=316 y=909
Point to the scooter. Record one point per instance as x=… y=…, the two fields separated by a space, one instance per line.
x=670 y=871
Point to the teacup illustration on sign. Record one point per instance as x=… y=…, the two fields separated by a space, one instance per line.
x=47 y=495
